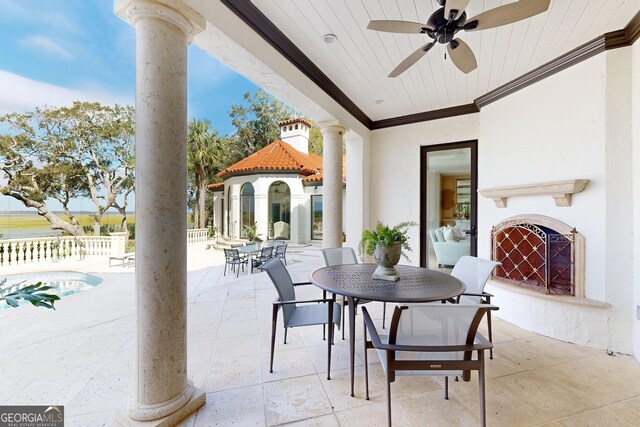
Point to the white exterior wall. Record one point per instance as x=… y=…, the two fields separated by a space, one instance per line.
x=395 y=169
x=261 y=183
x=573 y=125
x=635 y=194
x=355 y=213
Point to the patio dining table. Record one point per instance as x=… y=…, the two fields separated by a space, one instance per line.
x=250 y=250
x=355 y=282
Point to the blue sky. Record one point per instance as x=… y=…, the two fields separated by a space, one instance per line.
x=53 y=52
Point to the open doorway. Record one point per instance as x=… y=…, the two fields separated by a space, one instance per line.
x=448 y=199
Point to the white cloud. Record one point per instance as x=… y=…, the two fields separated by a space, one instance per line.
x=17 y=10
x=47 y=46
x=20 y=94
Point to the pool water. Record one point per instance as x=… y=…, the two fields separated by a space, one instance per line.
x=63 y=283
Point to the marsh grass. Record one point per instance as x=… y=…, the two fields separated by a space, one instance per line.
x=30 y=223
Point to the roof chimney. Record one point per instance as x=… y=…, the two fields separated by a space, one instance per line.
x=295 y=132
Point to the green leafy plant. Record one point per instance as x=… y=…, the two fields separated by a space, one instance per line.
x=385 y=236
x=251 y=232
x=35 y=294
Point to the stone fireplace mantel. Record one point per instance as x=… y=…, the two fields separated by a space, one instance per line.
x=561 y=191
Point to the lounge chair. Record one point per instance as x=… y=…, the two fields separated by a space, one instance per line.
x=125 y=258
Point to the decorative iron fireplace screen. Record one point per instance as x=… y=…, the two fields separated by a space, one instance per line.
x=534 y=257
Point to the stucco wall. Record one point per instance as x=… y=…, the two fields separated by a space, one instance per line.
x=575 y=124
x=571 y=125
x=299 y=216
x=394 y=183
x=635 y=129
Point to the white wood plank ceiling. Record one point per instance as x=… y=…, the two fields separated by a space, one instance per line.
x=360 y=60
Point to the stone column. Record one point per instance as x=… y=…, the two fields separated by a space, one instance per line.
x=164 y=29
x=332 y=133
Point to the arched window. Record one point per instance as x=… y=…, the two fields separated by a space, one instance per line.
x=279 y=211
x=247 y=208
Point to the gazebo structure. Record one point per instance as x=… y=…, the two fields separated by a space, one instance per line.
x=554 y=102
x=278 y=190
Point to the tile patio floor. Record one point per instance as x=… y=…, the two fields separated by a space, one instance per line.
x=81 y=356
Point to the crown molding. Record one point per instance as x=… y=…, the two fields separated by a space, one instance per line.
x=443 y=113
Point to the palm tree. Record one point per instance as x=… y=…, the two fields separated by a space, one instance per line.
x=202 y=155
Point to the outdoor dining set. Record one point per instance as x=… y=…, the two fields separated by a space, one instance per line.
x=432 y=330
x=253 y=255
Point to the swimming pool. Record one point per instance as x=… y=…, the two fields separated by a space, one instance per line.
x=63 y=283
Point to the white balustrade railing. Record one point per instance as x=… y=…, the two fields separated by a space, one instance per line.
x=197 y=235
x=40 y=249
x=43 y=249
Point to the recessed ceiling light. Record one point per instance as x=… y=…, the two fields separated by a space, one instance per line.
x=329 y=38
x=379 y=101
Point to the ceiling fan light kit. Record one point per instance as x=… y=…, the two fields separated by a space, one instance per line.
x=444 y=23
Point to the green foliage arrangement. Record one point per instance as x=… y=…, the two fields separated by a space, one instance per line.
x=385 y=236
x=251 y=232
x=35 y=294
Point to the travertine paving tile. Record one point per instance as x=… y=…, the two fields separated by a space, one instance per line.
x=288 y=364
x=233 y=373
x=374 y=415
x=238 y=407
x=295 y=399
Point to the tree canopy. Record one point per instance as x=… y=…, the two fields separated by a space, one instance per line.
x=256 y=122
x=85 y=150
x=204 y=147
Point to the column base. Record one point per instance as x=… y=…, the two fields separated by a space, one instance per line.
x=193 y=404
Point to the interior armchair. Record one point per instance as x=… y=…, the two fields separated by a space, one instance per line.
x=430 y=339
x=321 y=311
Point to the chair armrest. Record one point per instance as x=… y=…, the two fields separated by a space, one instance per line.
x=302 y=283
x=473 y=294
x=301 y=301
x=436 y=348
x=375 y=338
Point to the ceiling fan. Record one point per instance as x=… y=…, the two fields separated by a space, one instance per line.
x=445 y=22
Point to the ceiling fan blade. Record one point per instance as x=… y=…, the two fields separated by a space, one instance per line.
x=509 y=13
x=391 y=26
x=462 y=56
x=411 y=59
x=459 y=5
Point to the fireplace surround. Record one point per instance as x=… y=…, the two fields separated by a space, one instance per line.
x=539 y=253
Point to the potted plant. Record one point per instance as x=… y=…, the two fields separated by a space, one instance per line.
x=386 y=244
x=252 y=233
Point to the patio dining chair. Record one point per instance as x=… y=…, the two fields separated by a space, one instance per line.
x=322 y=311
x=341 y=256
x=266 y=253
x=281 y=252
x=232 y=257
x=474 y=273
x=430 y=339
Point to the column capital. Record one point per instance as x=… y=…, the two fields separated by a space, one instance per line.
x=332 y=126
x=175 y=12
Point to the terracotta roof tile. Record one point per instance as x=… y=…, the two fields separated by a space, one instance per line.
x=216 y=186
x=277 y=156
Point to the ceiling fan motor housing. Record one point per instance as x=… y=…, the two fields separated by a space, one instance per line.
x=442 y=30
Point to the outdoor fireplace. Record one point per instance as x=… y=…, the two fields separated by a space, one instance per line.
x=540 y=254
